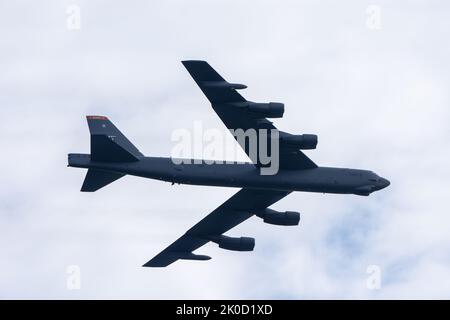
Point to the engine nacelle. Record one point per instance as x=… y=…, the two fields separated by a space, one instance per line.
x=223 y=84
x=301 y=141
x=235 y=244
x=267 y=110
x=287 y=218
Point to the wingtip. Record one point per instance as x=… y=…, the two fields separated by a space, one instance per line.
x=151 y=264
x=146 y=265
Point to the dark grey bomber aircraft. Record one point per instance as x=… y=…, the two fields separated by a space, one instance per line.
x=113 y=156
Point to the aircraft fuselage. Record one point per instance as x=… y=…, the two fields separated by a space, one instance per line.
x=241 y=175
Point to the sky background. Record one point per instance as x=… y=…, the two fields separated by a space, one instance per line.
x=377 y=95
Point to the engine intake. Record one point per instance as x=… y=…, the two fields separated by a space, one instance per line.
x=301 y=141
x=235 y=244
x=287 y=218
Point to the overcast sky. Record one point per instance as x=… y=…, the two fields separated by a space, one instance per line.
x=374 y=88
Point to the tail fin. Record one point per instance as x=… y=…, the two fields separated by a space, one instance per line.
x=96 y=179
x=108 y=144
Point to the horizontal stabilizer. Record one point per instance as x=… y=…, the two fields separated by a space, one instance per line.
x=96 y=179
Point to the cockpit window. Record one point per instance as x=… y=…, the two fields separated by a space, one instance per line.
x=373 y=180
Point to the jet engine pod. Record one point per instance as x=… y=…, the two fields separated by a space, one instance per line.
x=235 y=244
x=287 y=218
x=267 y=110
x=223 y=84
x=301 y=141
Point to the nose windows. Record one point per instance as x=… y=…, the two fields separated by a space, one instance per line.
x=374 y=180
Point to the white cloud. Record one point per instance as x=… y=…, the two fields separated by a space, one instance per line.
x=377 y=99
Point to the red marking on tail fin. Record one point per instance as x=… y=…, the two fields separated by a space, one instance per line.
x=96 y=118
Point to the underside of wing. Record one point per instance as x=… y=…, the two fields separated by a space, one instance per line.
x=248 y=123
x=232 y=212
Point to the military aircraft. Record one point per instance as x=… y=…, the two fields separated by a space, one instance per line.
x=113 y=156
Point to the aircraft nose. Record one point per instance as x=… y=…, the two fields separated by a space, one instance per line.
x=384 y=183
